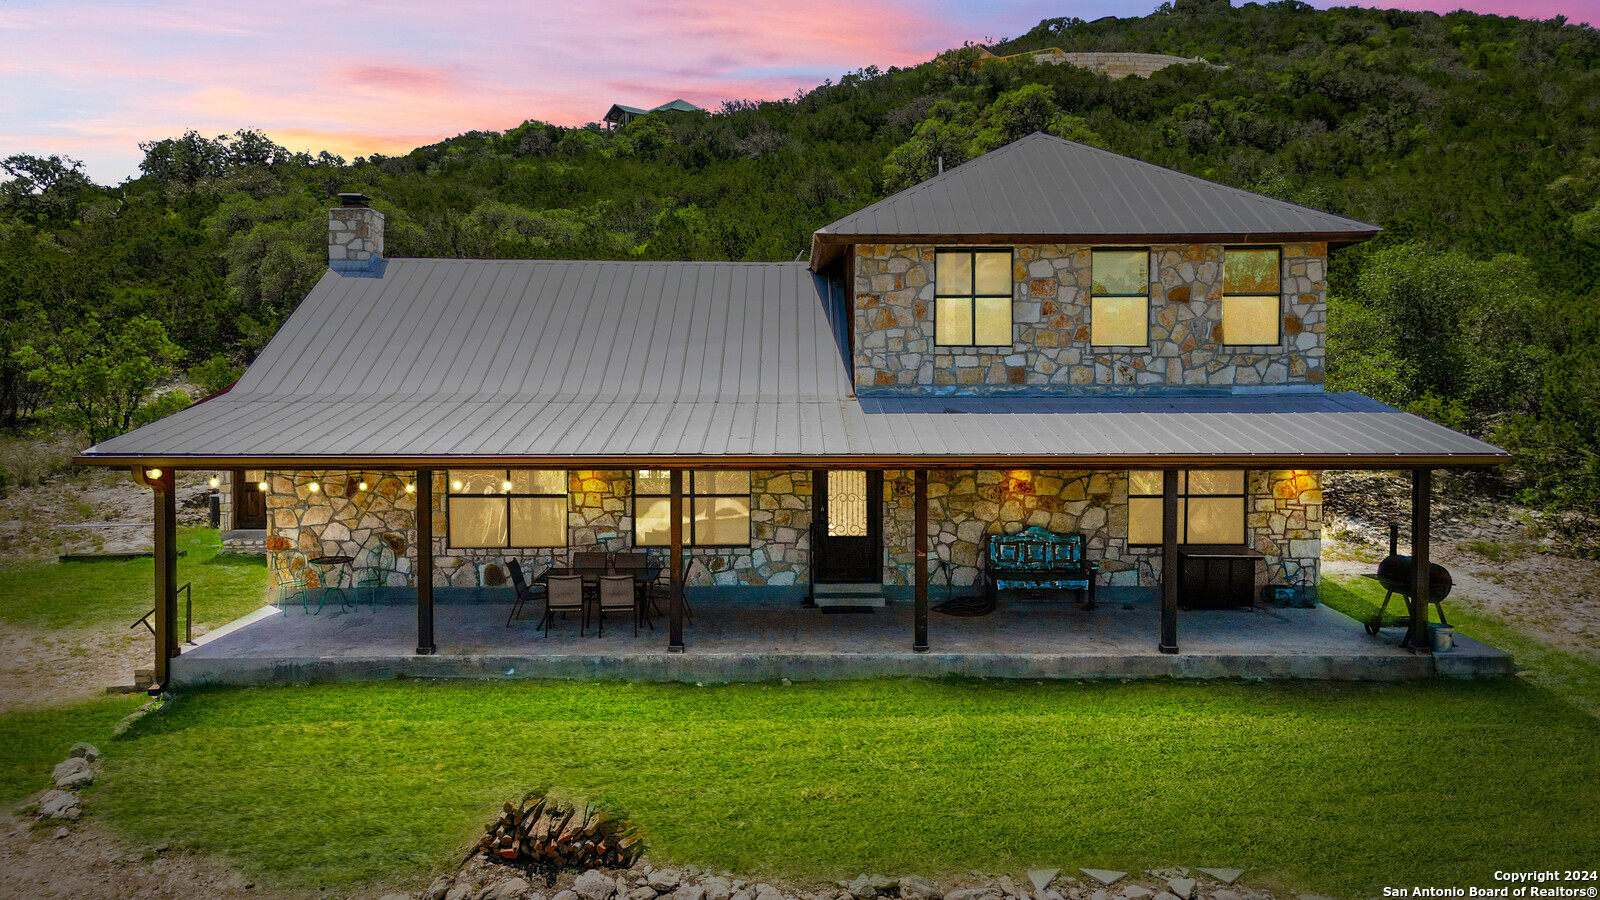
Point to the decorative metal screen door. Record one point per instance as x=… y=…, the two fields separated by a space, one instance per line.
x=848 y=527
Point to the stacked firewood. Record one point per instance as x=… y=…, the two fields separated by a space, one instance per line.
x=546 y=834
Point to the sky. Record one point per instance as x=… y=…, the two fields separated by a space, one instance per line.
x=91 y=79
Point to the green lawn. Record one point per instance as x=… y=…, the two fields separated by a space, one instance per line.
x=1333 y=788
x=1572 y=677
x=87 y=594
x=33 y=741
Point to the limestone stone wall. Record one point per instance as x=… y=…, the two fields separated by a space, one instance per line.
x=894 y=326
x=338 y=518
x=1283 y=520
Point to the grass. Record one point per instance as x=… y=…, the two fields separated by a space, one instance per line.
x=1335 y=788
x=102 y=592
x=1568 y=675
x=33 y=741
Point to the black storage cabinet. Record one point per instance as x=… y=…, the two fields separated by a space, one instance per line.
x=1216 y=576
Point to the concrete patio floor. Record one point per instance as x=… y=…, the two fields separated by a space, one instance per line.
x=745 y=640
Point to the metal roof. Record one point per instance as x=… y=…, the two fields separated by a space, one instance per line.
x=1044 y=187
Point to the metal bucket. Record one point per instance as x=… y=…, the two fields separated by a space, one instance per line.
x=1442 y=636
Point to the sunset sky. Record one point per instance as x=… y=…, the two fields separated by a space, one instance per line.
x=92 y=78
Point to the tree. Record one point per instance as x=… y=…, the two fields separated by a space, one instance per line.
x=100 y=379
x=44 y=188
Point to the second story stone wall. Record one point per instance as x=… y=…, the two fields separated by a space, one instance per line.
x=894 y=326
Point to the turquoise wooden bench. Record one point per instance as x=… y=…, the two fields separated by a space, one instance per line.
x=1039 y=559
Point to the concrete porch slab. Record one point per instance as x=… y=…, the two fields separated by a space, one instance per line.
x=753 y=640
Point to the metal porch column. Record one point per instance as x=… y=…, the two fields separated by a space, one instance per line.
x=424 y=567
x=919 y=641
x=1169 y=561
x=675 y=607
x=1421 y=513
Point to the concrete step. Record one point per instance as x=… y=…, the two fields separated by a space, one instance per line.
x=864 y=594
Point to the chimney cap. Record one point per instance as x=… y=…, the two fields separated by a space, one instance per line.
x=353 y=199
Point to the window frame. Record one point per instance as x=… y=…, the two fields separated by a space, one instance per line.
x=1184 y=495
x=972 y=297
x=1277 y=318
x=1149 y=253
x=507 y=497
x=689 y=496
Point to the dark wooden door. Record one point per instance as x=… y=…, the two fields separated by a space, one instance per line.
x=249 y=501
x=848 y=546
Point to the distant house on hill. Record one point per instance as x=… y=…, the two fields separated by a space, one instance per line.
x=619 y=115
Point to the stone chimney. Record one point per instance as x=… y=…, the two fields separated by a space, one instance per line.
x=355 y=237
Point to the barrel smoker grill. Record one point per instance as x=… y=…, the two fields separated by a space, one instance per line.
x=1394 y=573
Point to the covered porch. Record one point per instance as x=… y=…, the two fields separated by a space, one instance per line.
x=740 y=639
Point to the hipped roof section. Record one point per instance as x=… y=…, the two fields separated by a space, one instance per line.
x=1044 y=189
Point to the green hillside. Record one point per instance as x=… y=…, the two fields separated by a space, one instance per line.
x=1471 y=139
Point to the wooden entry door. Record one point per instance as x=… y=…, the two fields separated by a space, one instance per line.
x=848 y=529
x=249 y=502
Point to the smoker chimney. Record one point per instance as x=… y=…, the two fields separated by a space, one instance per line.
x=355 y=238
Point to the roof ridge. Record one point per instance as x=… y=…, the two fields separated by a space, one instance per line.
x=906 y=193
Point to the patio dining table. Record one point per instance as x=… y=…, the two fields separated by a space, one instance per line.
x=642 y=578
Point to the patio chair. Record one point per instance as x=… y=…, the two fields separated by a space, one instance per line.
x=524 y=590
x=618 y=593
x=637 y=565
x=377 y=565
x=661 y=589
x=289 y=569
x=563 y=594
x=588 y=559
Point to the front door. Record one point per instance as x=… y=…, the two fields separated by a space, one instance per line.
x=848 y=529
x=249 y=502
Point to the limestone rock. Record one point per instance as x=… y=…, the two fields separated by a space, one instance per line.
x=763 y=892
x=983 y=893
x=1166 y=895
x=1226 y=895
x=437 y=889
x=75 y=780
x=461 y=890
x=1007 y=886
x=509 y=889
x=689 y=892
x=1106 y=877
x=663 y=880
x=642 y=892
x=594 y=885
x=914 y=888
x=1183 y=888
x=1226 y=876
x=565 y=895
x=717 y=888
x=60 y=805
x=1137 y=892
x=1041 y=878
x=73 y=765
x=85 y=750
x=395 y=897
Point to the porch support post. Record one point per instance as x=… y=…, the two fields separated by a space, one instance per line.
x=1421 y=513
x=919 y=642
x=1169 y=561
x=424 y=566
x=166 y=580
x=675 y=607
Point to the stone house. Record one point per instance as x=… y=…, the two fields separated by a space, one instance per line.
x=1049 y=336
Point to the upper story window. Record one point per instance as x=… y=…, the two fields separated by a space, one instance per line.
x=716 y=508
x=1251 y=297
x=972 y=290
x=507 y=508
x=1119 y=314
x=1211 y=507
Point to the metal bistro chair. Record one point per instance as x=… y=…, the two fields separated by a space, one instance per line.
x=525 y=591
x=617 y=593
x=564 y=593
x=638 y=566
x=377 y=565
x=589 y=560
x=289 y=579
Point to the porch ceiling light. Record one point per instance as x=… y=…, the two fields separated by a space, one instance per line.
x=362 y=486
x=215 y=481
x=411 y=489
x=314 y=487
x=261 y=485
x=505 y=486
x=152 y=474
x=455 y=485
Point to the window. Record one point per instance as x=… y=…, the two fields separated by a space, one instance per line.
x=507 y=508
x=1250 y=295
x=1119 y=298
x=972 y=296
x=716 y=508
x=1211 y=507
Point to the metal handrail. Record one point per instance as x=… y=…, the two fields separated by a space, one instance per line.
x=188 y=613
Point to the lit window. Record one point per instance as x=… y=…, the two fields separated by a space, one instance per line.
x=1211 y=507
x=716 y=508
x=1250 y=297
x=1119 y=313
x=972 y=292
x=507 y=508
